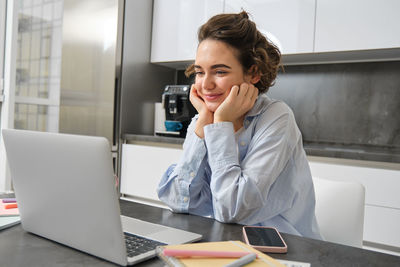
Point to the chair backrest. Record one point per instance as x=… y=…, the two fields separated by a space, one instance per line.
x=339 y=210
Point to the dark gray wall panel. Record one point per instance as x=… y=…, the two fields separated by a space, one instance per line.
x=345 y=106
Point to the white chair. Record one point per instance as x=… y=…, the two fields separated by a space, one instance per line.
x=339 y=210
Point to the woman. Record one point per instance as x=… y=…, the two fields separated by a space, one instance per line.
x=243 y=159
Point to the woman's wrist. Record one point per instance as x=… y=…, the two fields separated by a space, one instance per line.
x=204 y=119
x=220 y=119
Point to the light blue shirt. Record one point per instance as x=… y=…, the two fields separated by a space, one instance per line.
x=258 y=176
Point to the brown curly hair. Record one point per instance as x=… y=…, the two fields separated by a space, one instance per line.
x=253 y=48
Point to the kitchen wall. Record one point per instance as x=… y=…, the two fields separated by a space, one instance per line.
x=348 y=108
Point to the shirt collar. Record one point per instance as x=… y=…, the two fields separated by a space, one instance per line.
x=259 y=106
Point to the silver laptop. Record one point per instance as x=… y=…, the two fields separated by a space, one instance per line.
x=65 y=189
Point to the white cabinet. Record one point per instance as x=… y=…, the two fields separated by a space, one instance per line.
x=175 y=27
x=289 y=24
x=382 y=201
x=357 y=30
x=142 y=167
x=381 y=225
x=343 y=25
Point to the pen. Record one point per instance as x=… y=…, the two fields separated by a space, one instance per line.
x=243 y=260
x=11 y=206
x=204 y=253
x=9 y=200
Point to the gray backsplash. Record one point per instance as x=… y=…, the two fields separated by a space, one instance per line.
x=347 y=110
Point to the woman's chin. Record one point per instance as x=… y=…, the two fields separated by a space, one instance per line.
x=212 y=106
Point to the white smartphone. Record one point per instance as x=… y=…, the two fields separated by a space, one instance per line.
x=265 y=239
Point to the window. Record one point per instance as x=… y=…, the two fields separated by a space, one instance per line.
x=2 y=44
x=38 y=65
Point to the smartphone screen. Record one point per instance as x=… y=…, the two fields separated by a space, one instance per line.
x=263 y=237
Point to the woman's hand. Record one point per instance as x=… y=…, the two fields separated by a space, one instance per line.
x=237 y=104
x=205 y=115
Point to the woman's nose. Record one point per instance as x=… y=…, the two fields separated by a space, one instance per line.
x=208 y=82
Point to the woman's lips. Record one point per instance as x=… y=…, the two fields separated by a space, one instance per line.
x=212 y=97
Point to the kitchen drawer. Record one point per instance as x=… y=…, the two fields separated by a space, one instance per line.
x=381 y=225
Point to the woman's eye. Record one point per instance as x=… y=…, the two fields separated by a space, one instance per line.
x=197 y=73
x=220 y=72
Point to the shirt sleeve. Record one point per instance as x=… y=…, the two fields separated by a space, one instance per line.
x=241 y=189
x=185 y=184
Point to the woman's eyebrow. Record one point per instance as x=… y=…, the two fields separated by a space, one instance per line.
x=216 y=66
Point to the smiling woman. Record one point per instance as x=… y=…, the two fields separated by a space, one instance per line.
x=243 y=159
x=218 y=71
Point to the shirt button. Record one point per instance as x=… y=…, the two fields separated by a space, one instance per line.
x=185 y=199
x=243 y=143
x=192 y=174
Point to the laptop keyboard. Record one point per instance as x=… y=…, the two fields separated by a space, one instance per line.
x=136 y=245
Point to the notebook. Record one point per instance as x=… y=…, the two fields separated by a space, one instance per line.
x=224 y=246
x=65 y=189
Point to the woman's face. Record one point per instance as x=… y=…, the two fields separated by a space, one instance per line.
x=217 y=69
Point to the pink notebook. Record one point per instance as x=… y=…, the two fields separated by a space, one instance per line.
x=7 y=212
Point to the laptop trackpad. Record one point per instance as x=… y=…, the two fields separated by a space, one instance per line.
x=157 y=232
x=139 y=227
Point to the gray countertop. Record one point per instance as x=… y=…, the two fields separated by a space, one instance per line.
x=152 y=138
x=345 y=151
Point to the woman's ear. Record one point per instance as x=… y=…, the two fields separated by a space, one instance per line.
x=254 y=75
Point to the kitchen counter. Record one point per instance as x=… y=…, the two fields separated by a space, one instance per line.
x=152 y=138
x=370 y=153
x=357 y=152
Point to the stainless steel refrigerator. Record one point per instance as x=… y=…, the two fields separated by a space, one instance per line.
x=108 y=84
x=90 y=66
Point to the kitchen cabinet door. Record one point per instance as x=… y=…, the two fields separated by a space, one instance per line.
x=175 y=26
x=343 y=25
x=142 y=167
x=381 y=225
x=289 y=24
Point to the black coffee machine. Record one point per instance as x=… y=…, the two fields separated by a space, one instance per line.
x=178 y=109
